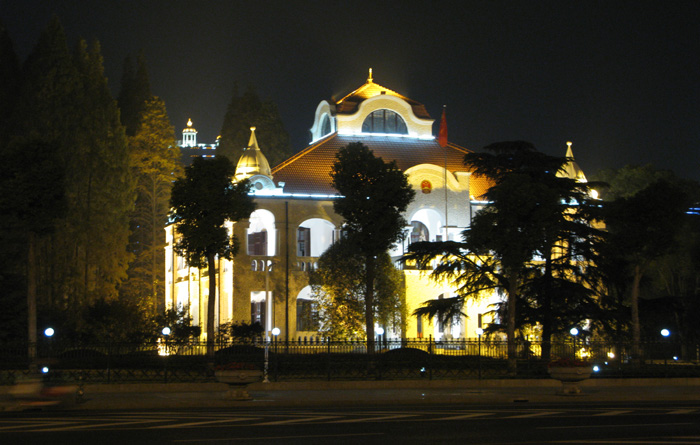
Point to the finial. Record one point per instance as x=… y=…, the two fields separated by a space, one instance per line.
x=252 y=128
x=569 y=144
x=369 y=79
x=189 y=122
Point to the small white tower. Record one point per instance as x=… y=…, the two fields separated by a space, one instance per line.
x=189 y=135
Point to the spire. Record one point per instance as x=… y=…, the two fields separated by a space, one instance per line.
x=253 y=142
x=369 y=79
x=571 y=169
x=253 y=161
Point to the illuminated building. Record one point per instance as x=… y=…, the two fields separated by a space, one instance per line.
x=295 y=223
x=190 y=149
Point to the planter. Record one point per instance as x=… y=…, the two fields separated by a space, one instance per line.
x=570 y=377
x=237 y=380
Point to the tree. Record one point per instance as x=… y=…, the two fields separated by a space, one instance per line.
x=248 y=110
x=155 y=162
x=373 y=196
x=201 y=203
x=134 y=93
x=9 y=76
x=32 y=199
x=63 y=100
x=338 y=291
x=641 y=229
x=529 y=243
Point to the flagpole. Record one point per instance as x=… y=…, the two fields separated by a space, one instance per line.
x=442 y=140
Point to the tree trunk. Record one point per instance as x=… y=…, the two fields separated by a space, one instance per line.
x=634 y=302
x=510 y=326
x=211 y=305
x=369 y=301
x=31 y=301
x=547 y=311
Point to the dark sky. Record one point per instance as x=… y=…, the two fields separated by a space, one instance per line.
x=621 y=79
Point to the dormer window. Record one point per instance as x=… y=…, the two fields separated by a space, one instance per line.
x=384 y=121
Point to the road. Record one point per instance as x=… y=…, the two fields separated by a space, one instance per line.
x=589 y=423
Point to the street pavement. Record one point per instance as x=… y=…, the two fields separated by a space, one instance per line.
x=372 y=393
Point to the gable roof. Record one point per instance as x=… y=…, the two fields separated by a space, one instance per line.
x=308 y=172
x=350 y=102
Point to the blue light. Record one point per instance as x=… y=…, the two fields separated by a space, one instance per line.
x=596 y=368
x=45 y=369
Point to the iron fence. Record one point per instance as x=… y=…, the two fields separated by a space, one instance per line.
x=327 y=359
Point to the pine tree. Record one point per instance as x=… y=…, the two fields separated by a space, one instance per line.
x=9 y=76
x=155 y=162
x=134 y=93
x=248 y=110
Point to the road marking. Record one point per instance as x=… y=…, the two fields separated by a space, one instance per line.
x=96 y=426
x=634 y=425
x=204 y=422
x=539 y=414
x=32 y=425
x=297 y=420
x=248 y=439
x=463 y=416
x=612 y=413
x=682 y=411
x=376 y=419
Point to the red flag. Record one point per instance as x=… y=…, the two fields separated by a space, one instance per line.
x=442 y=136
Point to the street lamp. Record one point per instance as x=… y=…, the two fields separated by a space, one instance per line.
x=479 y=333
x=166 y=333
x=665 y=334
x=574 y=332
x=48 y=332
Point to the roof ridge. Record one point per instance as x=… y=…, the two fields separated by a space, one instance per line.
x=303 y=152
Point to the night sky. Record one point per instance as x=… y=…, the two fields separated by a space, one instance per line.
x=621 y=79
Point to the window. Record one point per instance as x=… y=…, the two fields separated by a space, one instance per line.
x=307 y=315
x=384 y=121
x=257 y=308
x=325 y=125
x=303 y=241
x=419 y=232
x=257 y=243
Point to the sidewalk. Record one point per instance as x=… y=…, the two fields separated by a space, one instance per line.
x=376 y=393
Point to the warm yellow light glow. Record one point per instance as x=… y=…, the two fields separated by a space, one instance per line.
x=569 y=144
x=611 y=355
x=189 y=122
x=594 y=194
x=369 y=79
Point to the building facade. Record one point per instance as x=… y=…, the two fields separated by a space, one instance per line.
x=295 y=223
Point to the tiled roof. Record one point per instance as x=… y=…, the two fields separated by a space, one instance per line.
x=349 y=103
x=309 y=170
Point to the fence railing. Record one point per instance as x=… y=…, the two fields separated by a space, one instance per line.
x=328 y=359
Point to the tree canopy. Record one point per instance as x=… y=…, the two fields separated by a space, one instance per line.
x=248 y=110
x=202 y=202
x=373 y=196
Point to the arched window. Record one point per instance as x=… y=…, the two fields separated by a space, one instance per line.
x=325 y=125
x=384 y=121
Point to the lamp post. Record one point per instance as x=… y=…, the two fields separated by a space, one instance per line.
x=275 y=333
x=479 y=333
x=574 y=333
x=48 y=332
x=380 y=332
x=665 y=333
x=166 y=333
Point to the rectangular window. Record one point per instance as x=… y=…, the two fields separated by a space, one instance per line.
x=257 y=308
x=307 y=316
x=303 y=241
x=257 y=243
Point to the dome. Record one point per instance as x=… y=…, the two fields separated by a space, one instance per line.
x=252 y=161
